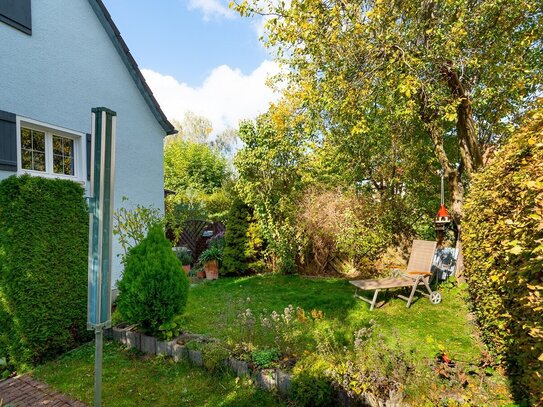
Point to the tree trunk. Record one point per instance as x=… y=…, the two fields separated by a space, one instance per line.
x=451 y=172
x=470 y=151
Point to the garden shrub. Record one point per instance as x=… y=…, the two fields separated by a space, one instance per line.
x=43 y=268
x=310 y=384
x=340 y=224
x=234 y=256
x=502 y=239
x=153 y=288
x=265 y=358
x=214 y=356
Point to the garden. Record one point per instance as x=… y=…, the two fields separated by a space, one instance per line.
x=332 y=184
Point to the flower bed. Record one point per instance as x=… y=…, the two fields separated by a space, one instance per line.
x=267 y=379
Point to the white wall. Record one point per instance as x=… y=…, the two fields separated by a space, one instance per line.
x=69 y=65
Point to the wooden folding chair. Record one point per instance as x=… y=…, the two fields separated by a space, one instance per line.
x=418 y=272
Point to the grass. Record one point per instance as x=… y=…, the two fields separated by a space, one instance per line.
x=213 y=308
x=424 y=327
x=130 y=379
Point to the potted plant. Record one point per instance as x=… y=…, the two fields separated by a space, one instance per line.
x=200 y=273
x=185 y=258
x=210 y=258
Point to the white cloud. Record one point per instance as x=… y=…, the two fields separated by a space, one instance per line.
x=212 y=8
x=226 y=96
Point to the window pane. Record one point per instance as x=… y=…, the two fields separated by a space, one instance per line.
x=26 y=160
x=57 y=145
x=39 y=161
x=38 y=141
x=57 y=164
x=26 y=139
x=68 y=147
x=68 y=166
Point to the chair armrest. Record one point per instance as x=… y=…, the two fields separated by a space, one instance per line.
x=420 y=273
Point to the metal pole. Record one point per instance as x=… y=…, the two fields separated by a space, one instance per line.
x=442 y=188
x=99 y=342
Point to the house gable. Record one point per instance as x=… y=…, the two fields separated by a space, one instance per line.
x=121 y=47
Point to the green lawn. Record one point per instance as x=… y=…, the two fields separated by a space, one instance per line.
x=213 y=308
x=130 y=379
x=424 y=327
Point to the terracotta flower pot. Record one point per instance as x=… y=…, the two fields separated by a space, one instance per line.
x=212 y=270
x=186 y=268
x=201 y=274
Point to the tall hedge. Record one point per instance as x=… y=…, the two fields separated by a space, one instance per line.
x=154 y=288
x=503 y=243
x=43 y=267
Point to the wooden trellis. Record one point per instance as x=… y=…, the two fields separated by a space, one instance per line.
x=196 y=234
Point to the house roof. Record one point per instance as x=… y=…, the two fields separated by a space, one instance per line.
x=115 y=36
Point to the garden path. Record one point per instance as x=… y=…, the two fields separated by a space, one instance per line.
x=24 y=391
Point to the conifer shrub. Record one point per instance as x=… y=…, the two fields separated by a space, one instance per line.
x=244 y=248
x=236 y=239
x=503 y=247
x=153 y=288
x=43 y=268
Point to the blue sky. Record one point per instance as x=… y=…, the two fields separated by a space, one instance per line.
x=197 y=55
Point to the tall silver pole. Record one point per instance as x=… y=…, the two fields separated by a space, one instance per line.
x=99 y=344
x=442 y=189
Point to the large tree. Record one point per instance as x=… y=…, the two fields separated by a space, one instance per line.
x=460 y=71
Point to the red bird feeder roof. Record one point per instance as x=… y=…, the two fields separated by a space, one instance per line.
x=443 y=212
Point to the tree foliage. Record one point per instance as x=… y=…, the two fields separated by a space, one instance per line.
x=130 y=225
x=193 y=128
x=196 y=174
x=457 y=71
x=503 y=235
x=192 y=166
x=270 y=168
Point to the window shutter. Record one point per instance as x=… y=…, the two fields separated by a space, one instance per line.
x=88 y=156
x=8 y=142
x=17 y=13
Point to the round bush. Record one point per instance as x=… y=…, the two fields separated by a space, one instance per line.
x=153 y=288
x=503 y=247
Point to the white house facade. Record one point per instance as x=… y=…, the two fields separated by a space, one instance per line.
x=58 y=60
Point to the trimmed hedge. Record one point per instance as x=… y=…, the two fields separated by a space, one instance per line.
x=154 y=288
x=43 y=268
x=503 y=244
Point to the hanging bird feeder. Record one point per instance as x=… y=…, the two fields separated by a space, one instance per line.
x=443 y=219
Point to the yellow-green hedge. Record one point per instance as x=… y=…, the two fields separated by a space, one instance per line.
x=503 y=243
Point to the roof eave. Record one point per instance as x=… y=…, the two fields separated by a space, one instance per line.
x=130 y=63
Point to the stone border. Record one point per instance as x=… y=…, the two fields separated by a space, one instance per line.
x=267 y=379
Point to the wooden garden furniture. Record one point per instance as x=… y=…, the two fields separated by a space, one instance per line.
x=418 y=272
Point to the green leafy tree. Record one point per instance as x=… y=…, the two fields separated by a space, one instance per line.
x=270 y=168
x=193 y=128
x=154 y=288
x=461 y=71
x=196 y=173
x=193 y=166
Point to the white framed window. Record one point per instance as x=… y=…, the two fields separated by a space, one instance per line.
x=49 y=151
